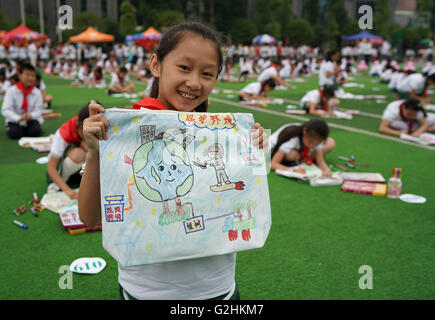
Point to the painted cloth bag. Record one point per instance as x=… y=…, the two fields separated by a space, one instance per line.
x=179 y=186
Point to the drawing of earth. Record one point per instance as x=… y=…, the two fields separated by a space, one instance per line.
x=162 y=170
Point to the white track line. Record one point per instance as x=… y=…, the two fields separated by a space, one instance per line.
x=333 y=125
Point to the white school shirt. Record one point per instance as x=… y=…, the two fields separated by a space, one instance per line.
x=267 y=74
x=414 y=82
x=32 y=51
x=58 y=146
x=312 y=96
x=13 y=52
x=392 y=112
x=327 y=66
x=252 y=88
x=115 y=79
x=193 y=279
x=293 y=143
x=109 y=65
x=22 y=52
x=44 y=52
x=285 y=71
x=2 y=52
x=396 y=78
x=83 y=74
x=13 y=101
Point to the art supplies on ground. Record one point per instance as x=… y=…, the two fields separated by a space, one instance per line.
x=311 y=174
x=424 y=139
x=40 y=144
x=52 y=115
x=70 y=219
x=363 y=176
x=362 y=187
x=353 y=85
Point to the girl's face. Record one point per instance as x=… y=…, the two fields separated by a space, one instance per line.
x=409 y=114
x=311 y=140
x=187 y=74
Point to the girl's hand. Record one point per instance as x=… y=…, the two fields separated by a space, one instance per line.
x=95 y=127
x=326 y=172
x=259 y=139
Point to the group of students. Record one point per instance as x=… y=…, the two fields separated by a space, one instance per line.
x=406 y=114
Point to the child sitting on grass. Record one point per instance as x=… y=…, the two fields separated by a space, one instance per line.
x=22 y=106
x=308 y=143
x=120 y=82
x=67 y=155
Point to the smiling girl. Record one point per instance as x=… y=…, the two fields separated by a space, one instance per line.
x=185 y=67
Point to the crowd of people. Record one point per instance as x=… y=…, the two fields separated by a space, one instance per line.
x=272 y=67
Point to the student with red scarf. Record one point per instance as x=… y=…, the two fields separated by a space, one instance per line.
x=405 y=116
x=308 y=143
x=67 y=154
x=22 y=106
x=315 y=101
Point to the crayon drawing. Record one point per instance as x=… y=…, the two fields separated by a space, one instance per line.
x=179 y=187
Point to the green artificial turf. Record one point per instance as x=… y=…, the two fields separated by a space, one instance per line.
x=319 y=239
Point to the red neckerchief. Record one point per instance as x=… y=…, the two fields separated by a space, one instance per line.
x=121 y=80
x=97 y=75
x=324 y=105
x=410 y=122
x=149 y=103
x=306 y=156
x=25 y=92
x=68 y=131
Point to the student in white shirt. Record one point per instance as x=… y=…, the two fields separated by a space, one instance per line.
x=110 y=65
x=44 y=54
x=308 y=143
x=22 y=106
x=120 y=82
x=67 y=155
x=272 y=72
x=257 y=90
x=405 y=116
x=96 y=79
x=32 y=51
x=415 y=86
x=322 y=99
x=329 y=70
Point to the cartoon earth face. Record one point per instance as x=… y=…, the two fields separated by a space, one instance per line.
x=162 y=170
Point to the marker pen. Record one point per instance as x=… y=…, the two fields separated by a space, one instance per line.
x=21 y=225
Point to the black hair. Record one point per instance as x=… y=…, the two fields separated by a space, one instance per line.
x=269 y=82
x=26 y=66
x=330 y=53
x=14 y=78
x=328 y=91
x=414 y=104
x=317 y=127
x=84 y=113
x=312 y=127
x=170 y=40
x=123 y=69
